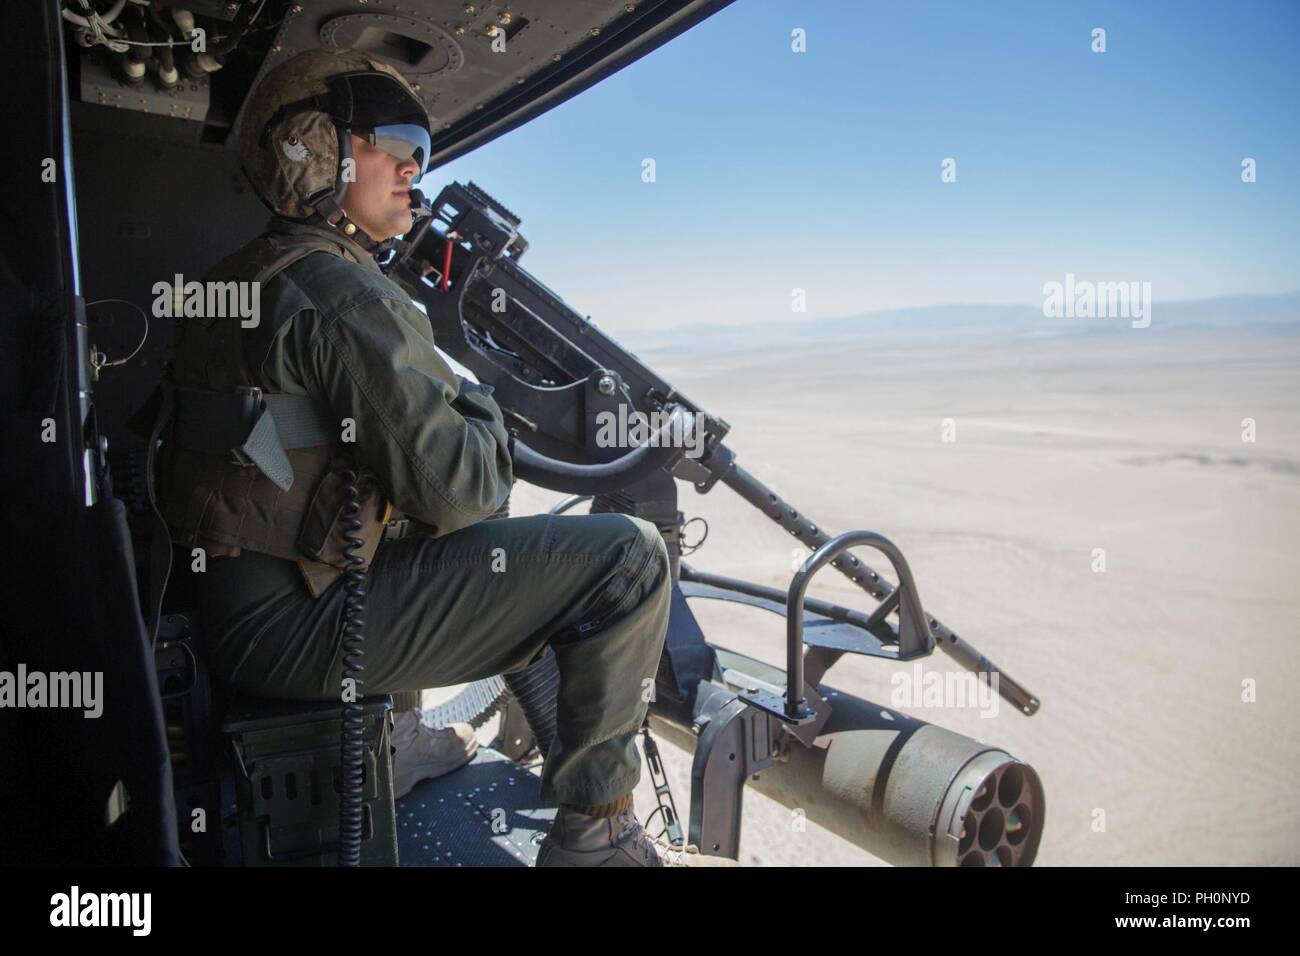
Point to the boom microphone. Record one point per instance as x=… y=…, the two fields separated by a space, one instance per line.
x=420 y=206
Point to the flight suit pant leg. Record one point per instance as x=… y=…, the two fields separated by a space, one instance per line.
x=486 y=600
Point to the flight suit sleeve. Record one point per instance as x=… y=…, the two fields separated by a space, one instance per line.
x=438 y=445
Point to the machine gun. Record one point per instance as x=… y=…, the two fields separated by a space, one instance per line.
x=908 y=791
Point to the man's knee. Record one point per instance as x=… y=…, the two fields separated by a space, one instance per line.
x=625 y=559
x=641 y=571
x=649 y=552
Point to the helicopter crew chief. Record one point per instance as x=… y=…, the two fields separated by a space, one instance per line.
x=341 y=352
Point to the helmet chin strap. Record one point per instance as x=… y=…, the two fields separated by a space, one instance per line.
x=330 y=213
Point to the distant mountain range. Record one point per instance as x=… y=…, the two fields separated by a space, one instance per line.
x=944 y=322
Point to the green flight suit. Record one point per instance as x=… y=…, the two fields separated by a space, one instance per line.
x=463 y=598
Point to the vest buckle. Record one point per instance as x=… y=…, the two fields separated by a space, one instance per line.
x=252 y=404
x=396 y=530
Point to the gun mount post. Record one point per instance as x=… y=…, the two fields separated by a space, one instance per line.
x=791 y=519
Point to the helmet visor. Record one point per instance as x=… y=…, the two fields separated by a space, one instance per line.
x=402 y=140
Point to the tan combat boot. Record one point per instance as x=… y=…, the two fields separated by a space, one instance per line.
x=423 y=754
x=577 y=839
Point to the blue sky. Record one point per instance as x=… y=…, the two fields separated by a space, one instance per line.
x=821 y=170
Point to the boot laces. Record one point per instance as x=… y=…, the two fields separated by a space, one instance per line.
x=654 y=849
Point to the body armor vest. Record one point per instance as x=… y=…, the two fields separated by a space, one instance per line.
x=248 y=469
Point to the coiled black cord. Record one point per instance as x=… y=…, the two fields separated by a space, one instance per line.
x=537 y=690
x=352 y=742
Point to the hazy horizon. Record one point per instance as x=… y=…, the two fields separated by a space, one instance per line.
x=1228 y=311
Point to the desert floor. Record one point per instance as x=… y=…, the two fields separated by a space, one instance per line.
x=1148 y=745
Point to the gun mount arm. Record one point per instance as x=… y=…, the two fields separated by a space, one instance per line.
x=656 y=454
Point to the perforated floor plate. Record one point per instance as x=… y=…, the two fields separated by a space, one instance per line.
x=487 y=813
